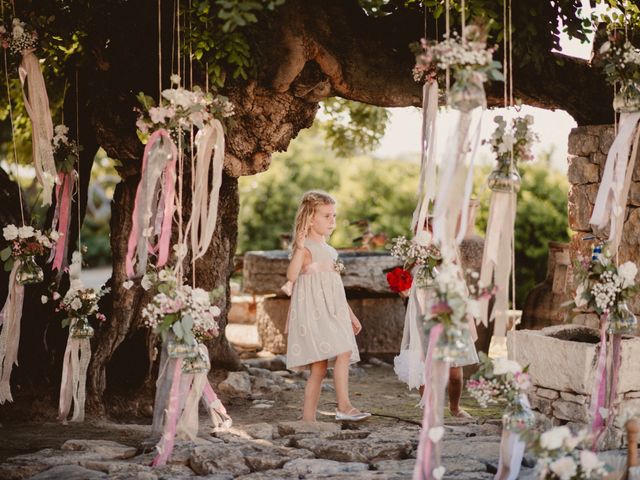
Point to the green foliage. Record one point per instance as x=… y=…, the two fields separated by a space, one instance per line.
x=353 y=127
x=541 y=217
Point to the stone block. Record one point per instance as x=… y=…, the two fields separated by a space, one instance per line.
x=632 y=395
x=586 y=319
x=607 y=136
x=581 y=170
x=265 y=272
x=271 y=320
x=575 y=398
x=582 y=143
x=581 y=201
x=243 y=310
x=571 y=411
x=542 y=405
x=547 y=393
x=568 y=346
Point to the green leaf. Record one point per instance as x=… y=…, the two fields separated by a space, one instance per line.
x=5 y=254
x=177 y=329
x=8 y=265
x=187 y=322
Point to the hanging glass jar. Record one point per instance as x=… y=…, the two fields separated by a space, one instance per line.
x=622 y=321
x=80 y=328
x=467 y=92
x=627 y=100
x=505 y=178
x=450 y=346
x=179 y=349
x=518 y=415
x=198 y=364
x=29 y=271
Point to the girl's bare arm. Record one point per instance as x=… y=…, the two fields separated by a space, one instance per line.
x=300 y=258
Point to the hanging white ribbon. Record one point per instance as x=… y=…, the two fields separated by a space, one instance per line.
x=207 y=179
x=36 y=103
x=427 y=182
x=77 y=356
x=611 y=201
x=496 y=258
x=10 y=317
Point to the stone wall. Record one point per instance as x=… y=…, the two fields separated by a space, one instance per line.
x=588 y=147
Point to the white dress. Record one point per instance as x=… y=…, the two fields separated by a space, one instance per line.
x=319 y=324
x=409 y=364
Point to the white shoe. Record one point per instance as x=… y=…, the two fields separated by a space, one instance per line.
x=352 y=417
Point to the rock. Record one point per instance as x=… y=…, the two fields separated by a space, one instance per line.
x=571 y=397
x=571 y=411
x=274 y=363
x=259 y=430
x=632 y=395
x=358 y=450
x=10 y=471
x=581 y=143
x=395 y=466
x=237 y=384
x=105 y=448
x=278 y=474
x=218 y=459
x=300 y=427
x=581 y=201
x=382 y=324
x=319 y=466
x=546 y=393
x=243 y=310
x=581 y=170
x=69 y=472
x=271 y=320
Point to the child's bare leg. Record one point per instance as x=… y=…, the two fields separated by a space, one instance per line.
x=341 y=381
x=312 y=390
x=455 y=389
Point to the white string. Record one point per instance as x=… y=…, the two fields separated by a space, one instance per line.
x=159 y=52
x=78 y=173
x=447 y=32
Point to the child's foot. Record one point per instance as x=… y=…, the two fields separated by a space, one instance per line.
x=460 y=413
x=352 y=414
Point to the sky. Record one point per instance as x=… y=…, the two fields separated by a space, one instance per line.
x=402 y=137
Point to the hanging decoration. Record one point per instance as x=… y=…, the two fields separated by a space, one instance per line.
x=511 y=144
x=185 y=317
x=66 y=153
x=604 y=288
x=23 y=40
x=620 y=61
x=501 y=380
x=25 y=244
x=79 y=303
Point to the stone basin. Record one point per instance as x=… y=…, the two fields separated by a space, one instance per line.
x=264 y=272
x=563 y=358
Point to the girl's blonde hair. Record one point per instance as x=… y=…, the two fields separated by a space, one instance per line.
x=311 y=200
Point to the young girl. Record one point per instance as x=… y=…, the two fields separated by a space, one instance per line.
x=321 y=326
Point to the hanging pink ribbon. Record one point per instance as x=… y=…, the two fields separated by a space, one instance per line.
x=61 y=220
x=217 y=412
x=436 y=377
x=208 y=179
x=10 y=317
x=150 y=216
x=599 y=392
x=36 y=103
x=165 y=446
x=74 y=378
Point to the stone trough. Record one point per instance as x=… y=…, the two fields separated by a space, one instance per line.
x=562 y=363
x=380 y=310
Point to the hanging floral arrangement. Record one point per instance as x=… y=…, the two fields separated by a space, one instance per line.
x=25 y=244
x=620 y=62
x=424 y=258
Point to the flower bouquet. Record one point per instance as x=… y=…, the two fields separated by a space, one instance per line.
x=604 y=288
x=511 y=146
x=426 y=258
x=187 y=313
x=79 y=303
x=503 y=380
x=338 y=266
x=560 y=459
x=470 y=61
x=620 y=61
x=21 y=37
x=66 y=152
x=25 y=243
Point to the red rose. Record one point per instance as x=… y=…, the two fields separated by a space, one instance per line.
x=399 y=280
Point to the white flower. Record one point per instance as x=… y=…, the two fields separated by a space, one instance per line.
x=55 y=236
x=76 y=304
x=18 y=31
x=605 y=47
x=175 y=79
x=435 y=434
x=628 y=272
x=76 y=284
x=44 y=299
x=26 y=231
x=589 y=462
x=565 y=468
x=200 y=296
x=554 y=438
x=61 y=130
x=503 y=365
x=146 y=282
x=215 y=311
x=164 y=275
x=127 y=285
x=179 y=97
x=56 y=296
x=10 y=232
x=438 y=473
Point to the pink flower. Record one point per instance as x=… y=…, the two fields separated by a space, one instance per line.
x=441 y=308
x=101 y=317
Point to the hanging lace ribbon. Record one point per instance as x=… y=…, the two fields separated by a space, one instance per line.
x=74 y=378
x=10 y=335
x=427 y=182
x=153 y=216
x=611 y=201
x=36 y=103
x=436 y=376
x=496 y=259
x=208 y=178
x=61 y=220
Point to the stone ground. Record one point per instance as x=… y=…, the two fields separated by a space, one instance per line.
x=266 y=441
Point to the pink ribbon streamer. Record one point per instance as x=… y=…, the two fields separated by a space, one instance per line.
x=61 y=219
x=217 y=412
x=10 y=317
x=599 y=393
x=165 y=446
x=153 y=165
x=436 y=377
